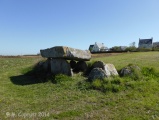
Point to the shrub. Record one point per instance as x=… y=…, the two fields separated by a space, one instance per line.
x=137 y=75
x=61 y=78
x=144 y=49
x=131 y=48
x=89 y=68
x=149 y=72
x=116 y=80
x=155 y=49
x=97 y=84
x=84 y=85
x=107 y=85
x=132 y=71
x=115 y=88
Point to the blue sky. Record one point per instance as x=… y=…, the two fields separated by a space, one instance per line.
x=26 y=26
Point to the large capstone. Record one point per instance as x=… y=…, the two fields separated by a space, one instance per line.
x=60 y=66
x=68 y=53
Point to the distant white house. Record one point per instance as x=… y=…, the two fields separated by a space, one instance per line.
x=91 y=48
x=98 y=47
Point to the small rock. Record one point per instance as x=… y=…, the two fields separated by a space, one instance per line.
x=97 y=73
x=98 y=64
x=129 y=70
x=108 y=68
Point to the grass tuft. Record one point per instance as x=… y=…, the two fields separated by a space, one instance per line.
x=150 y=72
x=61 y=79
x=113 y=84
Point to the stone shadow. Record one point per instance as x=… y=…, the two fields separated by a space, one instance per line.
x=24 y=80
x=34 y=76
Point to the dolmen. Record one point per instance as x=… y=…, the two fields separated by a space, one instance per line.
x=58 y=56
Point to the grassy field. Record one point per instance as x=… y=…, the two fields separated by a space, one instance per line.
x=26 y=97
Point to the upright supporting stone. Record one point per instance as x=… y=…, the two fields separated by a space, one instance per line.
x=60 y=66
x=73 y=64
x=47 y=66
x=81 y=66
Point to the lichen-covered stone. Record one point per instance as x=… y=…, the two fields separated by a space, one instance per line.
x=98 y=64
x=66 y=53
x=129 y=70
x=100 y=70
x=97 y=73
x=108 y=68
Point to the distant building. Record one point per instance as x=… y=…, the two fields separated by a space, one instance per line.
x=91 y=47
x=145 y=43
x=118 y=48
x=98 y=47
x=156 y=45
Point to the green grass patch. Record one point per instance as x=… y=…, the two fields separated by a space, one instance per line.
x=74 y=97
x=150 y=72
